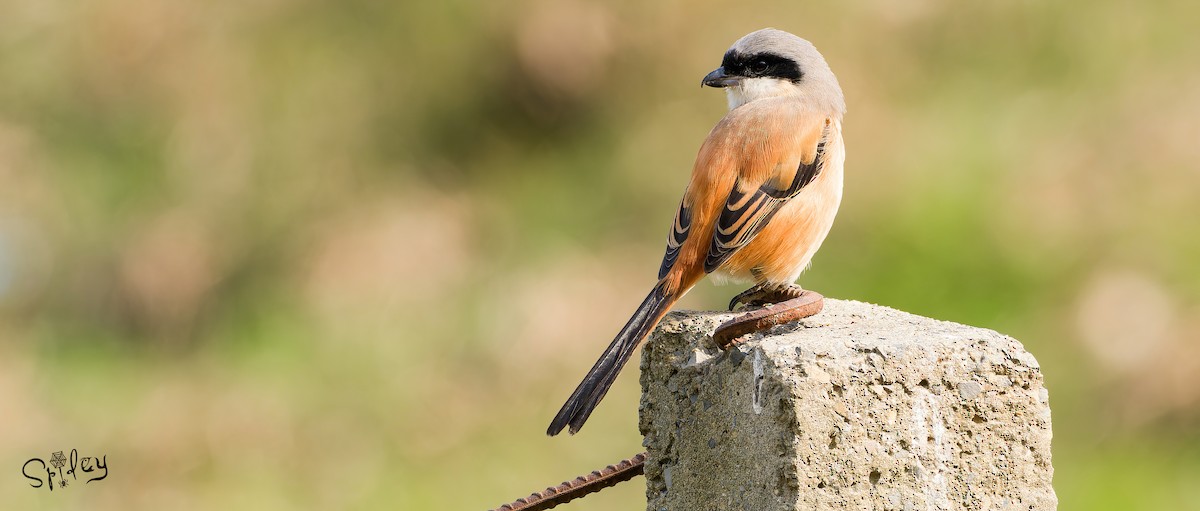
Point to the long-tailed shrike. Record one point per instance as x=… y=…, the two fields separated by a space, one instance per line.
x=764 y=190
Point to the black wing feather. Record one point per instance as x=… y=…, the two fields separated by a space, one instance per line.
x=679 y=233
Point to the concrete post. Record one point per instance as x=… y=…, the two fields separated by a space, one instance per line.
x=858 y=407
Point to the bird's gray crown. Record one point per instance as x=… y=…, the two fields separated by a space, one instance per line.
x=772 y=53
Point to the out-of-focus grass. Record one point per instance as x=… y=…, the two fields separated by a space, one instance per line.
x=348 y=255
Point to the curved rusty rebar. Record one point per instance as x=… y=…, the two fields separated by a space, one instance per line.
x=807 y=304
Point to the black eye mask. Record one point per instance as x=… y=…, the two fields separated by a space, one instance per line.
x=761 y=65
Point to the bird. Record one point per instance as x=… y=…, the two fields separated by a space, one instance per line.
x=763 y=194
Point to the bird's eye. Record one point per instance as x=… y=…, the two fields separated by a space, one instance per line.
x=759 y=66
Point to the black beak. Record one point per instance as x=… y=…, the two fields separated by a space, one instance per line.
x=719 y=79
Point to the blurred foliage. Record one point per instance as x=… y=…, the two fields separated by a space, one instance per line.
x=353 y=255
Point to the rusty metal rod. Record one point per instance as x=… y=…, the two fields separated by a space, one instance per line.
x=580 y=486
x=807 y=304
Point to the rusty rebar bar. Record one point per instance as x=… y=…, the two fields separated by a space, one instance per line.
x=580 y=486
x=807 y=304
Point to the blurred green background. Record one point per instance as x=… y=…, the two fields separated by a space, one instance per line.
x=281 y=254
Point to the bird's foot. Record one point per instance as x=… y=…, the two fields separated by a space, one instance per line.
x=802 y=305
x=766 y=293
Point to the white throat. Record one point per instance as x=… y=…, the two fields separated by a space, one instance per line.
x=751 y=89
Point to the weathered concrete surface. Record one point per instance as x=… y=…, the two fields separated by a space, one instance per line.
x=858 y=407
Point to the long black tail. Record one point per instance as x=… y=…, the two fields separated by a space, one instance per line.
x=602 y=375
